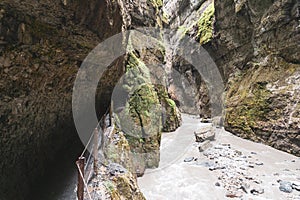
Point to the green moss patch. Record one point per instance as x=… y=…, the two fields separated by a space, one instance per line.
x=201 y=30
x=250 y=104
x=205 y=24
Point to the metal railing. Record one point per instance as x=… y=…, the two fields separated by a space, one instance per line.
x=89 y=167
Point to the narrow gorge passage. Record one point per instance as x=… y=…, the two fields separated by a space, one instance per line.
x=193 y=180
x=247 y=82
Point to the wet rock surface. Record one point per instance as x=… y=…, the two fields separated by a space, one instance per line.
x=204 y=145
x=39 y=59
x=113 y=182
x=285 y=186
x=190 y=159
x=42 y=46
x=194 y=19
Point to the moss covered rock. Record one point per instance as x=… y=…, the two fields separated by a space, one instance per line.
x=171 y=116
x=262 y=104
x=201 y=27
x=140 y=119
x=205 y=25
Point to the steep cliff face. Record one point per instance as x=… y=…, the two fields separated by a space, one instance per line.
x=138 y=105
x=41 y=50
x=42 y=44
x=192 y=19
x=256 y=46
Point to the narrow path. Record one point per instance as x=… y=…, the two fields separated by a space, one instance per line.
x=179 y=180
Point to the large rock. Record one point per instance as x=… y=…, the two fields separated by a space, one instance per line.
x=204 y=145
x=206 y=133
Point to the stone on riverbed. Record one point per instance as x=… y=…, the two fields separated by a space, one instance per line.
x=206 y=164
x=190 y=159
x=236 y=194
x=285 y=186
x=204 y=145
x=256 y=191
x=296 y=185
x=205 y=134
x=206 y=120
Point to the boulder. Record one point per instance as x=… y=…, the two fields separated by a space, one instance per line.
x=204 y=145
x=205 y=134
x=285 y=186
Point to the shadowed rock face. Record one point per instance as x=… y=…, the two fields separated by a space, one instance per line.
x=192 y=19
x=41 y=50
x=42 y=46
x=256 y=46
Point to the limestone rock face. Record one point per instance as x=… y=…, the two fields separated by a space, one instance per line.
x=256 y=47
x=119 y=170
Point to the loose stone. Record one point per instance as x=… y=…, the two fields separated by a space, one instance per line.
x=204 y=145
x=285 y=186
x=190 y=159
x=296 y=185
x=257 y=191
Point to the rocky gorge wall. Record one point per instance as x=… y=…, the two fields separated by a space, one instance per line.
x=142 y=106
x=193 y=19
x=256 y=45
x=40 y=54
x=42 y=46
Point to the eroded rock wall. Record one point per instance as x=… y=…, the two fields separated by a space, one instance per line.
x=40 y=54
x=257 y=47
x=192 y=19
x=42 y=46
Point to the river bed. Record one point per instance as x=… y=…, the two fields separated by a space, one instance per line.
x=179 y=180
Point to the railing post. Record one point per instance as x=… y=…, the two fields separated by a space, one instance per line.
x=95 y=150
x=111 y=113
x=103 y=123
x=80 y=186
